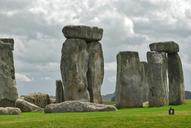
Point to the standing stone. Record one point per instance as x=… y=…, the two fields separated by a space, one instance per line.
x=8 y=91
x=176 y=79
x=95 y=71
x=74 y=66
x=144 y=81
x=128 y=88
x=158 y=89
x=59 y=91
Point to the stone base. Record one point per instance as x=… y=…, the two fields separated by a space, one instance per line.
x=7 y=103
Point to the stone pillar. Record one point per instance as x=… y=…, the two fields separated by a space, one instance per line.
x=144 y=81
x=158 y=89
x=59 y=91
x=74 y=67
x=176 y=79
x=82 y=63
x=175 y=71
x=95 y=71
x=128 y=88
x=8 y=91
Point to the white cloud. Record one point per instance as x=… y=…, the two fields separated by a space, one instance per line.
x=22 y=78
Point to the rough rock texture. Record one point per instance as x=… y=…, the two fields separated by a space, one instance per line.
x=26 y=106
x=9 y=111
x=158 y=88
x=128 y=88
x=169 y=47
x=83 y=32
x=144 y=81
x=39 y=99
x=95 y=72
x=176 y=79
x=78 y=106
x=74 y=66
x=59 y=91
x=8 y=91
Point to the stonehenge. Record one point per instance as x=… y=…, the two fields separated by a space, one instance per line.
x=59 y=91
x=159 y=81
x=128 y=88
x=8 y=91
x=175 y=71
x=82 y=63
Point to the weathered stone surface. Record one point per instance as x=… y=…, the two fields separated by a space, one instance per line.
x=176 y=79
x=26 y=106
x=158 y=88
x=168 y=46
x=39 y=99
x=78 y=106
x=74 y=67
x=59 y=91
x=8 y=91
x=9 y=111
x=83 y=32
x=144 y=81
x=95 y=72
x=128 y=88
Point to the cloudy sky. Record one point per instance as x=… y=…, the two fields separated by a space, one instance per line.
x=129 y=25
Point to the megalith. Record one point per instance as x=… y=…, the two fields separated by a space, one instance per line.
x=82 y=63
x=59 y=91
x=95 y=71
x=144 y=81
x=128 y=85
x=175 y=70
x=158 y=88
x=74 y=67
x=8 y=90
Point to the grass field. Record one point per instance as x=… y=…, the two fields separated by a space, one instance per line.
x=123 y=118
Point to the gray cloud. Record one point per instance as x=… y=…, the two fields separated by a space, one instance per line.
x=128 y=25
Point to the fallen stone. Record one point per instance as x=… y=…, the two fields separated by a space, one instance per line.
x=59 y=91
x=26 y=106
x=176 y=79
x=78 y=106
x=9 y=111
x=158 y=87
x=168 y=47
x=39 y=99
x=83 y=32
x=74 y=67
x=95 y=72
x=128 y=88
x=8 y=91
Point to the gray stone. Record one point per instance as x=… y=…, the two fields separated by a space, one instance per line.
x=78 y=106
x=168 y=46
x=59 y=91
x=128 y=88
x=144 y=81
x=95 y=72
x=176 y=79
x=83 y=32
x=26 y=106
x=74 y=67
x=39 y=99
x=9 y=111
x=158 y=88
x=8 y=91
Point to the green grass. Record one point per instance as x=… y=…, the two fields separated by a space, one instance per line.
x=124 y=118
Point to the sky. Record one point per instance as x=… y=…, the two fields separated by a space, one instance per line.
x=129 y=25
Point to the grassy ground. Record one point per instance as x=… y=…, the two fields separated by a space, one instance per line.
x=124 y=118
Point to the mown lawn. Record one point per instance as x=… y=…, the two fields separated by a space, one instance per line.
x=124 y=118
